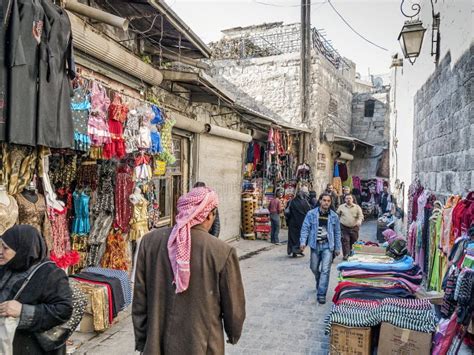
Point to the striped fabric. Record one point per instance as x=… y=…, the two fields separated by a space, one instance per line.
x=118 y=274
x=410 y=314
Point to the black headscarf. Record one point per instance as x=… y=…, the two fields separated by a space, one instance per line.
x=28 y=244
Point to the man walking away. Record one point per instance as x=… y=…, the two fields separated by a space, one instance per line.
x=322 y=232
x=334 y=198
x=188 y=286
x=351 y=218
x=216 y=226
x=275 y=208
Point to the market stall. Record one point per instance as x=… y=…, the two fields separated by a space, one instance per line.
x=411 y=294
x=271 y=166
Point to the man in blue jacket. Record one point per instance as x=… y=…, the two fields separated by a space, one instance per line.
x=322 y=232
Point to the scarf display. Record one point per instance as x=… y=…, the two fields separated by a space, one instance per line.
x=193 y=208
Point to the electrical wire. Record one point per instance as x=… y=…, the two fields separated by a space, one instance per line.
x=286 y=6
x=353 y=29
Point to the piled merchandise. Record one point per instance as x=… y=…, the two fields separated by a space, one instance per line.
x=262 y=223
x=378 y=290
x=108 y=291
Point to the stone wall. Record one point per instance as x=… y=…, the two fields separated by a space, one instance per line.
x=443 y=145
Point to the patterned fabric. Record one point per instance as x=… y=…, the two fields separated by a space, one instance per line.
x=98 y=128
x=131 y=133
x=8 y=214
x=116 y=252
x=139 y=220
x=121 y=275
x=81 y=106
x=410 y=314
x=61 y=252
x=117 y=110
x=193 y=208
x=123 y=190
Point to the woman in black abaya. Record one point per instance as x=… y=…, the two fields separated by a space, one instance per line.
x=45 y=302
x=298 y=208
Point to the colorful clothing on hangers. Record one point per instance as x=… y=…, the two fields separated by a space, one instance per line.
x=118 y=110
x=116 y=254
x=123 y=190
x=98 y=128
x=131 y=132
x=116 y=147
x=61 y=252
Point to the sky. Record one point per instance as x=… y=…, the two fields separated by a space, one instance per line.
x=380 y=21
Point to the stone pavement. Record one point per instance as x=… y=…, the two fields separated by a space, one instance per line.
x=283 y=316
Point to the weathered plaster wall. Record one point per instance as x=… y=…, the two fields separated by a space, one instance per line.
x=443 y=146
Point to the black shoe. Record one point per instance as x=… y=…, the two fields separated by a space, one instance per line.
x=345 y=258
x=302 y=254
x=295 y=255
x=321 y=300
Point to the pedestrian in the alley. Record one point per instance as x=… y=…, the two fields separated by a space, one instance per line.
x=346 y=190
x=351 y=218
x=295 y=215
x=321 y=231
x=216 y=226
x=313 y=199
x=334 y=197
x=35 y=305
x=276 y=208
x=386 y=201
x=188 y=286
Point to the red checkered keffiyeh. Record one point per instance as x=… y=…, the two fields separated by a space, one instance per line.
x=193 y=208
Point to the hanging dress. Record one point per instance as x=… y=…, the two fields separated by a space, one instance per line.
x=81 y=106
x=55 y=126
x=81 y=224
x=123 y=189
x=139 y=221
x=98 y=128
x=131 y=132
x=61 y=252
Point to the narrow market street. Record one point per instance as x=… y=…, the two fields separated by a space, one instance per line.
x=283 y=316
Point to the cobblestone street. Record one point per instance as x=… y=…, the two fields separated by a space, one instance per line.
x=283 y=316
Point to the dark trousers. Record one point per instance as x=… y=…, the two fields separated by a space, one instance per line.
x=350 y=235
x=275 y=221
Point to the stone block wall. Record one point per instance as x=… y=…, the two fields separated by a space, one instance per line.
x=443 y=145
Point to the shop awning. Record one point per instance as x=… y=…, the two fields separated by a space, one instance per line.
x=156 y=22
x=335 y=138
x=202 y=86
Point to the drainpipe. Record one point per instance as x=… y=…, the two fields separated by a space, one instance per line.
x=96 y=14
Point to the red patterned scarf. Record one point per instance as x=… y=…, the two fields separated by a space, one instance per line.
x=193 y=209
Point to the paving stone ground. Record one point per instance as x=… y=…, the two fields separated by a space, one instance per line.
x=283 y=316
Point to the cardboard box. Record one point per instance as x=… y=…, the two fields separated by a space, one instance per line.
x=368 y=249
x=399 y=341
x=350 y=341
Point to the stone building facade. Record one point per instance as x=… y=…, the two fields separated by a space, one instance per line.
x=432 y=105
x=370 y=123
x=269 y=72
x=443 y=145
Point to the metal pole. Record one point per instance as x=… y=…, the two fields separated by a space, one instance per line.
x=96 y=14
x=305 y=57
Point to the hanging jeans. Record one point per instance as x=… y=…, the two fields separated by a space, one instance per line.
x=320 y=264
x=275 y=221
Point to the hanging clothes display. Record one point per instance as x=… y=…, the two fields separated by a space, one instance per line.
x=55 y=128
x=98 y=128
x=81 y=224
x=81 y=107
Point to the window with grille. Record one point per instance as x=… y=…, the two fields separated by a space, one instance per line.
x=333 y=107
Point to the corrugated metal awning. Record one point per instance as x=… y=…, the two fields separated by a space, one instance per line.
x=335 y=138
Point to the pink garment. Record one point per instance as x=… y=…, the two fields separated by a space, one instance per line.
x=356 y=182
x=412 y=238
x=193 y=208
x=422 y=200
x=379 y=186
x=98 y=127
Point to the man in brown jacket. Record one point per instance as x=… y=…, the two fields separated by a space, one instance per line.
x=188 y=285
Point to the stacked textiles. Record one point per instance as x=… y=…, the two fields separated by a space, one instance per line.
x=377 y=277
x=109 y=290
x=417 y=315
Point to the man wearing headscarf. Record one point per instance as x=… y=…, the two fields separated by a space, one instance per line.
x=188 y=285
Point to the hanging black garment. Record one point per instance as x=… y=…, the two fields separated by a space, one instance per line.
x=24 y=34
x=56 y=67
x=4 y=11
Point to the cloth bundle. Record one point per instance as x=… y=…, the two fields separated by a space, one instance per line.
x=410 y=314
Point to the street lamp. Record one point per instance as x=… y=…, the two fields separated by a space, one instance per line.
x=411 y=39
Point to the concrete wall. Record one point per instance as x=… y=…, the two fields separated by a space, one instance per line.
x=443 y=146
x=456 y=38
